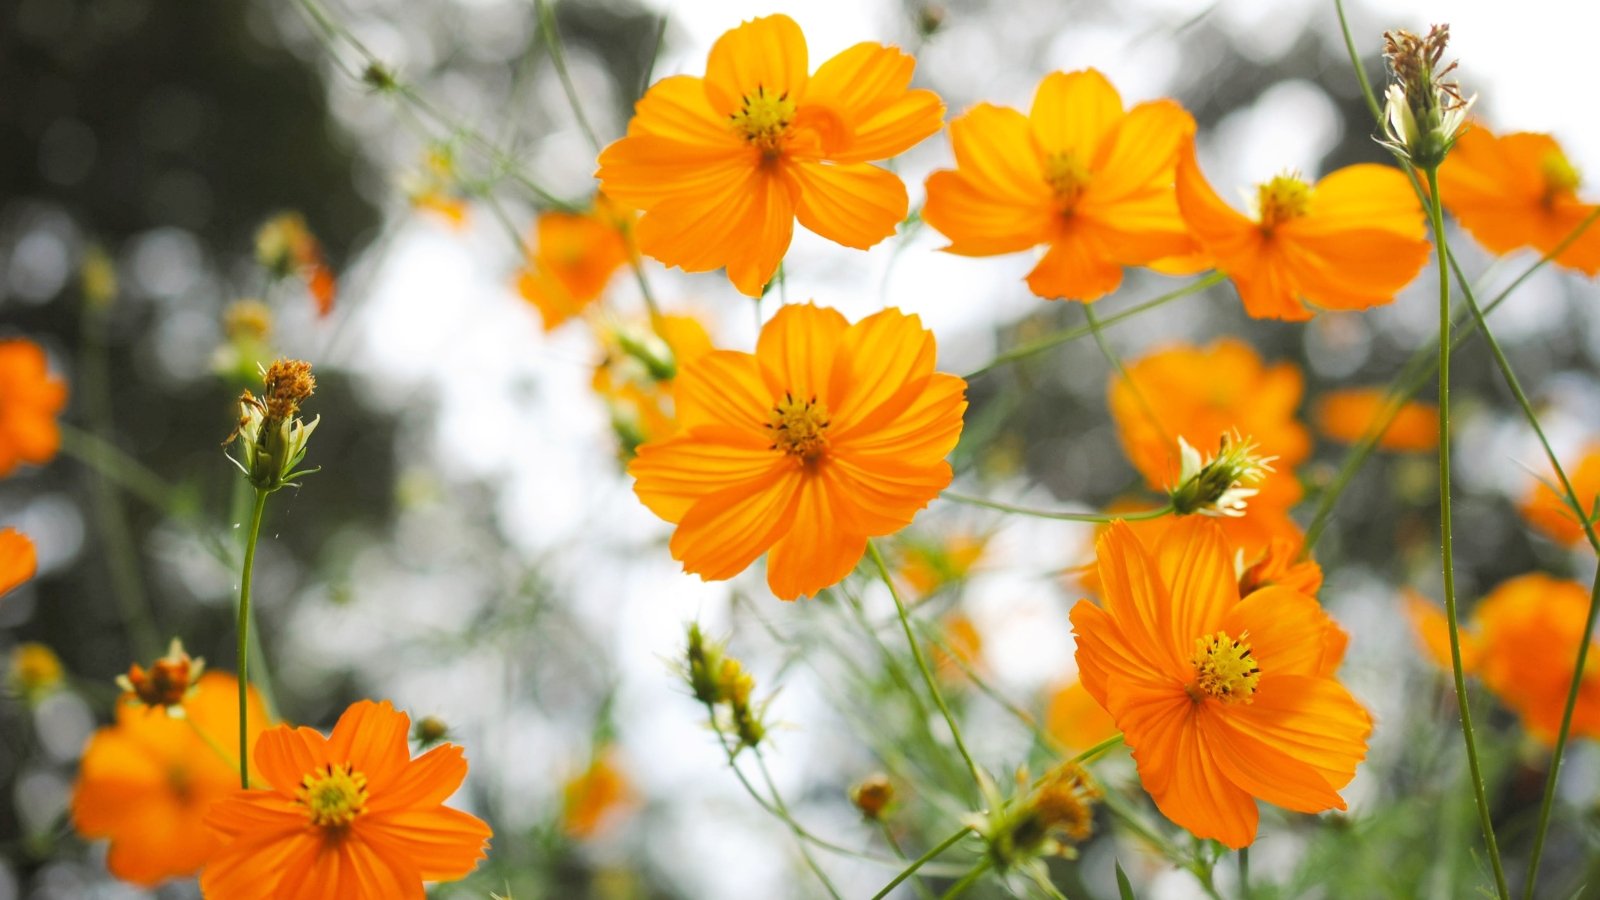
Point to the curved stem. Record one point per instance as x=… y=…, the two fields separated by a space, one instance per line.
x=1093 y=753
x=922 y=664
x=1061 y=337
x=777 y=800
x=921 y=861
x=1098 y=518
x=558 y=56
x=244 y=633
x=1447 y=549
x=969 y=879
x=894 y=844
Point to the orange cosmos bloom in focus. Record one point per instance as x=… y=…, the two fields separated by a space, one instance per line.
x=1078 y=174
x=723 y=165
x=1222 y=700
x=350 y=815
x=1351 y=241
x=18 y=561
x=830 y=433
x=1523 y=642
x=1518 y=190
x=1547 y=511
x=147 y=781
x=29 y=402
x=574 y=256
x=1200 y=394
x=1346 y=415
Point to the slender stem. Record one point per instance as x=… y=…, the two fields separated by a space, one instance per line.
x=969 y=879
x=922 y=664
x=1100 y=518
x=109 y=460
x=1447 y=549
x=1093 y=753
x=777 y=800
x=558 y=56
x=1244 y=872
x=244 y=632
x=894 y=844
x=222 y=752
x=1035 y=347
x=921 y=861
x=1111 y=356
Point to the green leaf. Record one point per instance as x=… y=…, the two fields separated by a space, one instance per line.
x=1124 y=887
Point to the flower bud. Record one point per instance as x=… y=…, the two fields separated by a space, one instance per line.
x=272 y=438
x=1423 y=110
x=1221 y=485
x=429 y=730
x=872 y=795
x=168 y=681
x=36 y=671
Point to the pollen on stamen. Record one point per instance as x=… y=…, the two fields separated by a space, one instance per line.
x=1224 y=669
x=1561 y=177
x=1068 y=178
x=799 y=428
x=1285 y=198
x=333 y=795
x=763 y=120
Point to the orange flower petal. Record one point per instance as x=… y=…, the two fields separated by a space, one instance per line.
x=854 y=205
x=1312 y=719
x=676 y=109
x=425 y=782
x=1141 y=157
x=796 y=351
x=1263 y=770
x=723 y=533
x=767 y=53
x=1073 y=112
x=1137 y=599
x=1075 y=719
x=1547 y=511
x=1288 y=631
x=373 y=737
x=864 y=88
x=923 y=432
x=885 y=362
x=18 y=560
x=1347 y=415
x=1197 y=566
x=445 y=844
x=723 y=387
x=1078 y=266
x=815 y=552
x=671 y=476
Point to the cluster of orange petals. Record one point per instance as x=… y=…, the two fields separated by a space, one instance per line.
x=147 y=781
x=29 y=402
x=1349 y=242
x=18 y=559
x=1079 y=174
x=1519 y=190
x=1347 y=415
x=573 y=258
x=347 y=815
x=1201 y=394
x=1547 y=510
x=596 y=797
x=1522 y=642
x=723 y=165
x=829 y=434
x=1223 y=700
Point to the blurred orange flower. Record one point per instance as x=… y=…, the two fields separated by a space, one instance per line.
x=1349 y=242
x=830 y=433
x=286 y=246
x=348 y=815
x=1345 y=416
x=1092 y=182
x=928 y=566
x=18 y=561
x=573 y=258
x=635 y=375
x=147 y=781
x=1074 y=718
x=1200 y=394
x=595 y=797
x=1523 y=643
x=1548 y=512
x=961 y=635
x=1518 y=190
x=35 y=671
x=722 y=165
x=1222 y=700
x=29 y=402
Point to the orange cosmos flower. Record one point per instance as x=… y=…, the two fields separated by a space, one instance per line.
x=1200 y=394
x=595 y=797
x=723 y=165
x=1345 y=416
x=928 y=566
x=18 y=561
x=286 y=246
x=1351 y=241
x=574 y=257
x=1547 y=511
x=1518 y=190
x=1223 y=700
x=830 y=433
x=1523 y=642
x=29 y=402
x=635 y=375
x=350 y=815
x=147 y=781
x=1078 y=174
x=1075 y=719
x=959 y=633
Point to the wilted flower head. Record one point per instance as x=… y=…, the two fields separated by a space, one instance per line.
x=872 y=795
x=1221 y=485
x=1047 y=817
x=168 y=681
x=1424 y=110
x=272 y=438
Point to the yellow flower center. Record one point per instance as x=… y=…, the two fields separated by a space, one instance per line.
x=1282 y=199
x=799 y=428
x=763 y=120
x=1223 y=669
x=1067 y=176
x=333 y=795
x=1560 y=175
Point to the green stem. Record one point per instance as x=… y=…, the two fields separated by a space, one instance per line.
x=1244 y=872
x=110 y=461
x=1098 y=518
x=968 y=880
x=1035 y=347
x=916 y=882
x=921 y=861
x=922 y=664
x=1094 y=752
x=1442 y=250
x=1096 y=328
x=243 y=626
x=777 y=800
x=558 y=56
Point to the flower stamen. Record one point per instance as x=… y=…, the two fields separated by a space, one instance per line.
x=333 y=795
x=1561 y=177
x=1068 y=177
x=1285 y=198
x=799 y=428
x=1223 y=669
x=763 y=120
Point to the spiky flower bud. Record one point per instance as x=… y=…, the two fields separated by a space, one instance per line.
x=167 y=682
x=272 y=438
x=1423 y=109
x=1221 y=485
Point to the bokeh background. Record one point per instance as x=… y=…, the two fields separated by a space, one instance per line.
x=472 y=549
